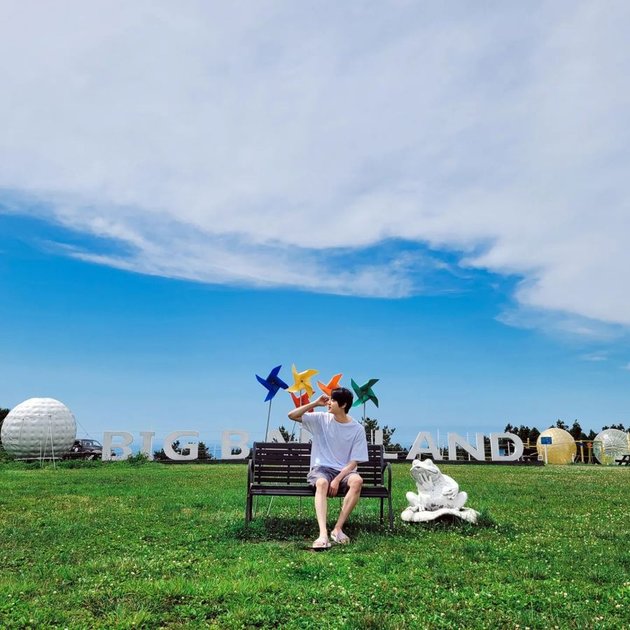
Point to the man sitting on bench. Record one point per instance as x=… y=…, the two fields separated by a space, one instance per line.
x=338 y=445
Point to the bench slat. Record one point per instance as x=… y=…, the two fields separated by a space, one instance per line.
x=279 y=479
x=299 y=474
x=309 y=491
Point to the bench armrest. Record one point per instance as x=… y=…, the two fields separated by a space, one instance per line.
x=388 y=468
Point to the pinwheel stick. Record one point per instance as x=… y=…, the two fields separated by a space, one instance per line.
x=268 y=416
x=266 y=438
x=293 y=429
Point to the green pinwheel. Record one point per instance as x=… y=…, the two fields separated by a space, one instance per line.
x=364 y=393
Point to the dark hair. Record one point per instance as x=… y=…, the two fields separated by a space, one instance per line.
x=343 y=397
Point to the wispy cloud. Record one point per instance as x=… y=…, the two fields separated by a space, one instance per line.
x=255 y=142
x=595 y=357
x=562 y=324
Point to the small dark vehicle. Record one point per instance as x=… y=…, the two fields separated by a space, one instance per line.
x=85 y=449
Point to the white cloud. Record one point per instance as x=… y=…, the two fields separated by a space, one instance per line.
x=595 y=357
x=240 y=142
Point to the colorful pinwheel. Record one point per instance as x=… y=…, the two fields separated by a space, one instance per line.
x=298 y=401
x=332 y=384
x=364 y=393
x=302 y=380
x=272 y=383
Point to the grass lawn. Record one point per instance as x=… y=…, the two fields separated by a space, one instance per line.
x=118 y=545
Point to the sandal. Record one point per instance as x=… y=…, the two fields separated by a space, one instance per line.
x=320 y=544
x=340 y=538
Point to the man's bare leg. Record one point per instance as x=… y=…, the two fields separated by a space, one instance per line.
x=321 y=506
x=355 y=483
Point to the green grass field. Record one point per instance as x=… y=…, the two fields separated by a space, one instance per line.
x=118 y=545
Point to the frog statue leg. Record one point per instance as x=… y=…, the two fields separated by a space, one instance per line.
x=460 y=500
x=418 y=501
x=414 y=501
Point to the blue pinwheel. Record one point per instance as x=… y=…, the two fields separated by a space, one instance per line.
x=272 y=383
x=365 y=393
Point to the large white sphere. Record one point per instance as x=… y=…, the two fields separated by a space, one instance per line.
x=38 y=427
x=562 y=449
x=609 y=445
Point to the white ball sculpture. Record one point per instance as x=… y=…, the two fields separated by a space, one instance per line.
x=610 y=444
x=38 y=428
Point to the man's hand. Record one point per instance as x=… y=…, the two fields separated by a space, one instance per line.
x=296 y=414
x=333 y=488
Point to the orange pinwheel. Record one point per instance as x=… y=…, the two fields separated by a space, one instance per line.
x=332 y=384
x=302 y=381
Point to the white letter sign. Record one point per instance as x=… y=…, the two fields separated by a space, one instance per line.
x=228 y=445
x=123 y=446
x=455 y=440
x=192 y=447
x=417 y=448
x=494 y=447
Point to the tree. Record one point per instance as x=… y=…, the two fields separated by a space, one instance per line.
x=203 y=452
x=524 y=432
x=3 y=415
x=619 y=426
x=534 y=434
x=560 y=425
x=284 y=433
x=576 y=431
x=371 y=425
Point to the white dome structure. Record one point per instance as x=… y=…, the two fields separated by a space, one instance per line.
x=38 y=428
x=610 y=444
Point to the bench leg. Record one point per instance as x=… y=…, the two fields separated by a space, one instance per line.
x=248 y=510
x=381 y=511
x=391 y=512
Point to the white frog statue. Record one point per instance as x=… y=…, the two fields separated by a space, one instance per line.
x=438 y=494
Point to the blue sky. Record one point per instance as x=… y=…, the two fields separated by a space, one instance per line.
x=432 y=196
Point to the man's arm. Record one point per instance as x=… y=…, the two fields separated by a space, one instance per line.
x=296 y=414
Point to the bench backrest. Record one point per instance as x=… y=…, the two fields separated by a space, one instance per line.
x=289 y=463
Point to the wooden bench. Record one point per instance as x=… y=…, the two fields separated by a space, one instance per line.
x=280 y=469
x=624 y=460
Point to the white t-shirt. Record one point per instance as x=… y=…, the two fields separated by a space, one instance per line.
x=335 y=443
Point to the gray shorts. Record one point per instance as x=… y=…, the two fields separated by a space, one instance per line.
x=324 y=472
